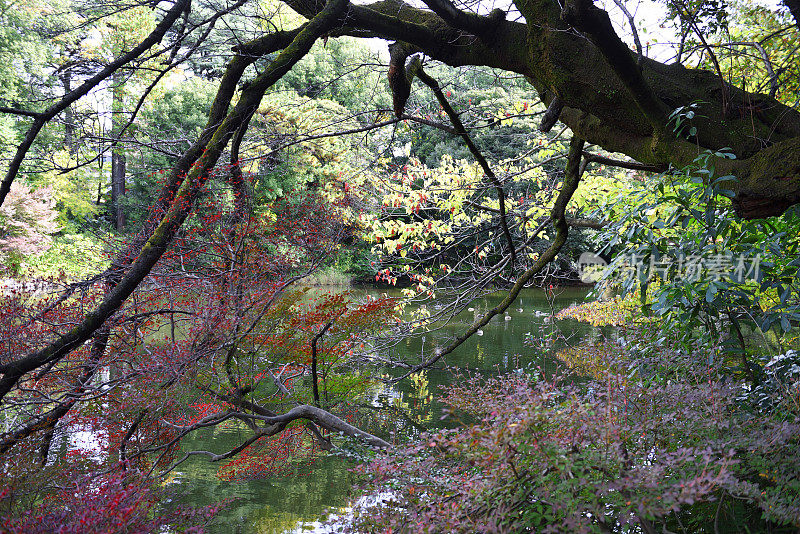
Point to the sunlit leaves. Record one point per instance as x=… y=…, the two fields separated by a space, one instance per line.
x=27 y=220
x=613 y=312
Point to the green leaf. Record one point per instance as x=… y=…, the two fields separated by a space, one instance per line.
x=711 y=292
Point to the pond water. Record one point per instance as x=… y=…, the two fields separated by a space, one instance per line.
x=295 y=502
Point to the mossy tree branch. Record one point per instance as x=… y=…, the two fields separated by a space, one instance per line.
x=604 y=93
x=596 y=25
x=180 y=207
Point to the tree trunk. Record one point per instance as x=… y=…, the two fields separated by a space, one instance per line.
x=69 y=117
x=117 y=152
x=118 y=188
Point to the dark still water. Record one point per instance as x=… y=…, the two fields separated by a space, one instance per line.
x=296 y=499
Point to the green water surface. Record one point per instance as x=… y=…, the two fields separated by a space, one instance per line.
x=294 y=502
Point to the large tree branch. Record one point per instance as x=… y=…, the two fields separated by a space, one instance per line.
x=482 y=27
x=767 y=183
x=67 y=100
x=504 y=47
x=182 y=205
x=595 y=24
x=20 y=112
x=276 y=424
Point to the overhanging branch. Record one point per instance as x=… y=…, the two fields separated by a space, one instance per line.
x=415 y=69
x=571 y=180
x=596 y=25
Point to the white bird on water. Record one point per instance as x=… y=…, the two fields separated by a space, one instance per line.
x=479 y=332
x=508 y=317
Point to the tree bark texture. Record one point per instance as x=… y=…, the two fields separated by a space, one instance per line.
x=571 y=54
x=117 y=150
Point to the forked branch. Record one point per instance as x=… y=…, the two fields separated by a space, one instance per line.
x=572 y=176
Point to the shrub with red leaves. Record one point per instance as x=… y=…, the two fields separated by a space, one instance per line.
x=549 y=456
x=107 y=504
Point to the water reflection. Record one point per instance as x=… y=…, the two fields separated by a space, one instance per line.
x=295 y=503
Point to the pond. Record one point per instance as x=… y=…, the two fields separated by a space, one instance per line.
x=295 y=502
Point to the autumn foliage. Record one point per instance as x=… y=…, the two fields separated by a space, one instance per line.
x=27 y=219
x=220 y=333
x=625 y=440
